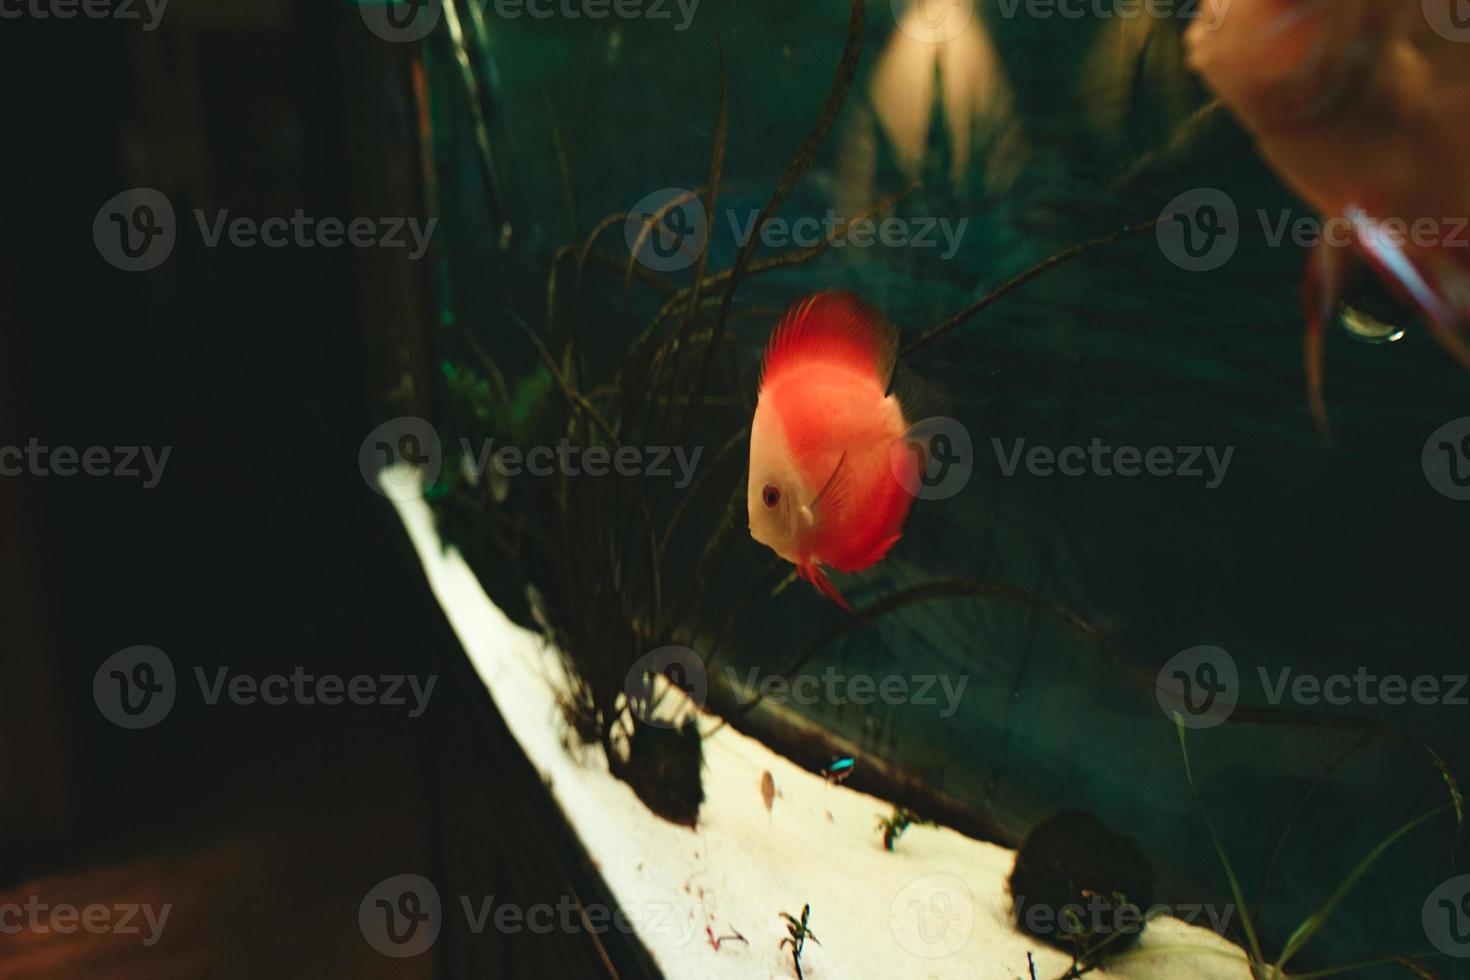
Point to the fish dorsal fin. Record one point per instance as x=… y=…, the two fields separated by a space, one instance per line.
x=835 y=328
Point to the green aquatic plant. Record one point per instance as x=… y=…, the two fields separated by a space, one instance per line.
x=618 y=565
x=1262 y=965
x=894 y=825
x=797 y=933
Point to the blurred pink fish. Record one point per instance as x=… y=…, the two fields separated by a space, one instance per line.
x=1363 y=107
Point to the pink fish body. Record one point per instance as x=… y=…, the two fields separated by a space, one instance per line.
x=827 y=440
x=1364 y=109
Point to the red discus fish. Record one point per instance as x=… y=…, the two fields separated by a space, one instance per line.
x=824 y=484
x=1362 y=106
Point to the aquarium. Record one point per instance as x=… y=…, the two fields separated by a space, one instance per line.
x=1132 y=500
x=926 y=488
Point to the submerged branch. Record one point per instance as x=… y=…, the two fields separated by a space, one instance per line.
x=846 y=70
x=1036 y=271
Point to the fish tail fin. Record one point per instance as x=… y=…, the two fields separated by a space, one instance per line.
x=1435 y=280
x=833 y=327
x=818 y=578
x=1321 y=299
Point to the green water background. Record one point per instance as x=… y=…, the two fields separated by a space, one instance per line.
x=1319 y=557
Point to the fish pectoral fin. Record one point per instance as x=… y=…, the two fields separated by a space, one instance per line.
x=818 y=578
x=834 y=495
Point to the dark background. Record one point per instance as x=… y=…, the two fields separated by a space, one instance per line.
x=262 y=549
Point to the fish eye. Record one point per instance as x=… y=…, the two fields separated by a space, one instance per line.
x=771 y=495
